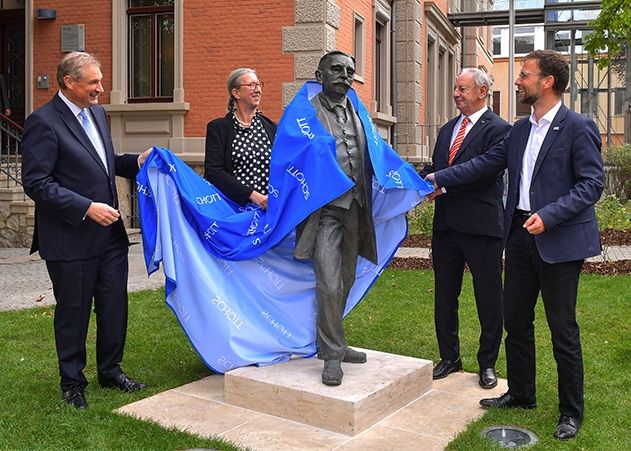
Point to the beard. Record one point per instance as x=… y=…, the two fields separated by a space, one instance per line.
x=528 y=99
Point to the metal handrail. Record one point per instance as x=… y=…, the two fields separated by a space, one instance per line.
x=10 y=158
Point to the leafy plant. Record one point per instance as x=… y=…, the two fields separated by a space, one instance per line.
x=420 y=219
x=618 y=172
x=613 y=214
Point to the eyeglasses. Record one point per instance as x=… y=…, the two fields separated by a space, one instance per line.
x=252 y=85
x=524 y=75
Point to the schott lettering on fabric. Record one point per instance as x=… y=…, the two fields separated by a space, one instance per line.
x=295 y=173
x=209 y=199
x=305 y=128
x=230 y=314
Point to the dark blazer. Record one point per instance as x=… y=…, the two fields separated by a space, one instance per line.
x=63 y=174
x=567 y=181
x=475 y=207
x=218 y=159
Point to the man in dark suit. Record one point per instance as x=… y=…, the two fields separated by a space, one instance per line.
x=336 y=234
x=468 y=228
x=68 y=169
x=556 y=176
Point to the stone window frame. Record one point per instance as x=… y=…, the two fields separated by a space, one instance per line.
x=359 y=46
x=120 y=64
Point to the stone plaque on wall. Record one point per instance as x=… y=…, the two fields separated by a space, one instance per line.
x=73 y=38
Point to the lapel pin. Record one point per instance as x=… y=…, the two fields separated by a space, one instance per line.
x=555 y=128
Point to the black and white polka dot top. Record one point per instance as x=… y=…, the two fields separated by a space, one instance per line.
x=251 y=151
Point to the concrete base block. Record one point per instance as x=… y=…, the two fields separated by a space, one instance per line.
x=294 y=390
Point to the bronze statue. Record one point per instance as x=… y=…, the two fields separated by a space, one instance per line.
x=335 y=235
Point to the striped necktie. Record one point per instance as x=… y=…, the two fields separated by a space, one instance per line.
x=458 y=141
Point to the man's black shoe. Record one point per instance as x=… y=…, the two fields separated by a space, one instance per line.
x=332 y=373
x=445 y=368
x=488 y=378
x=122 y=382
x=352 y=356
x=75 y=397
x=507 y=401
x=567 y=427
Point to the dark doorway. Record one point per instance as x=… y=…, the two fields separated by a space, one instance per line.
x=12 y=59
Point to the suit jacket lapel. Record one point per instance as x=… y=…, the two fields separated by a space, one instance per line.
x=443 y=144
x=522 y=143
x=77 y=130
x=551 y=136
x=477 y=128
x=101 y=125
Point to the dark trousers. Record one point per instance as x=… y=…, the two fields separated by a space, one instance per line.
x=527 y=275
x=335 y=261
x=75 y=284
x=483 y=255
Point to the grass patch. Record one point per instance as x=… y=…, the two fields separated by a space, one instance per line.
x=33 y=416
x=396 y=317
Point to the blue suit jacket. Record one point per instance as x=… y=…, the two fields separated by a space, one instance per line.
x=63 y=174
x=476 y=207
x=567 y=181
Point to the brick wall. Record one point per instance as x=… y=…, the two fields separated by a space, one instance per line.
x=345 y=41
x=221 y=37
x=97 y=18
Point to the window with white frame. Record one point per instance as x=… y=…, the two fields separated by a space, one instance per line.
x=497 y=41
x=524 y=39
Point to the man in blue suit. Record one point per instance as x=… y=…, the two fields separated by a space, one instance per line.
x=556 y=176
x=468 y=228
x=68 y=169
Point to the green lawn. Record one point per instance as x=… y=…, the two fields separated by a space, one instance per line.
x=396 y=317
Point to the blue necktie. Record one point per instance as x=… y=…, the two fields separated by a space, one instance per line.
x=89 y=128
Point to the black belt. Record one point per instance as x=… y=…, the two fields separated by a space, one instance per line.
x=523 y=215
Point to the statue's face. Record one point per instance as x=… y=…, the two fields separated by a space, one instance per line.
x=336 y=75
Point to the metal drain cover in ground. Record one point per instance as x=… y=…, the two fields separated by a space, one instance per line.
x=510 y=436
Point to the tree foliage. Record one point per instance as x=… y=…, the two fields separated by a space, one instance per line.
x=612 y=32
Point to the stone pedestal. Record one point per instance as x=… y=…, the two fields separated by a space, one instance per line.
x=294 y=390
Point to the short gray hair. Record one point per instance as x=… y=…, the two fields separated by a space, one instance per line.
x=480 y=78
x=233 y=82
x=72 y=64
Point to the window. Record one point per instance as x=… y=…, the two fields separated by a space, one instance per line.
x=562 y=41
x=497 y=41
x=151 y=50
x=358 y=46
x=496 y=102
x=585 y=102
x=379 y=52
x=524 y=39
x=382 y=64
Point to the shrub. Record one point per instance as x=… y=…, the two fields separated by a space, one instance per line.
x=613 y=214
x=420 y=219
x=618 y=171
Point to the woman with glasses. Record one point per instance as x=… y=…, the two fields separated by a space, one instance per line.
x=239 y=145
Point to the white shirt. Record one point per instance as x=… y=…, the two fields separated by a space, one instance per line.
x=538 y=131
x=96 y=138
x=472 y=120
